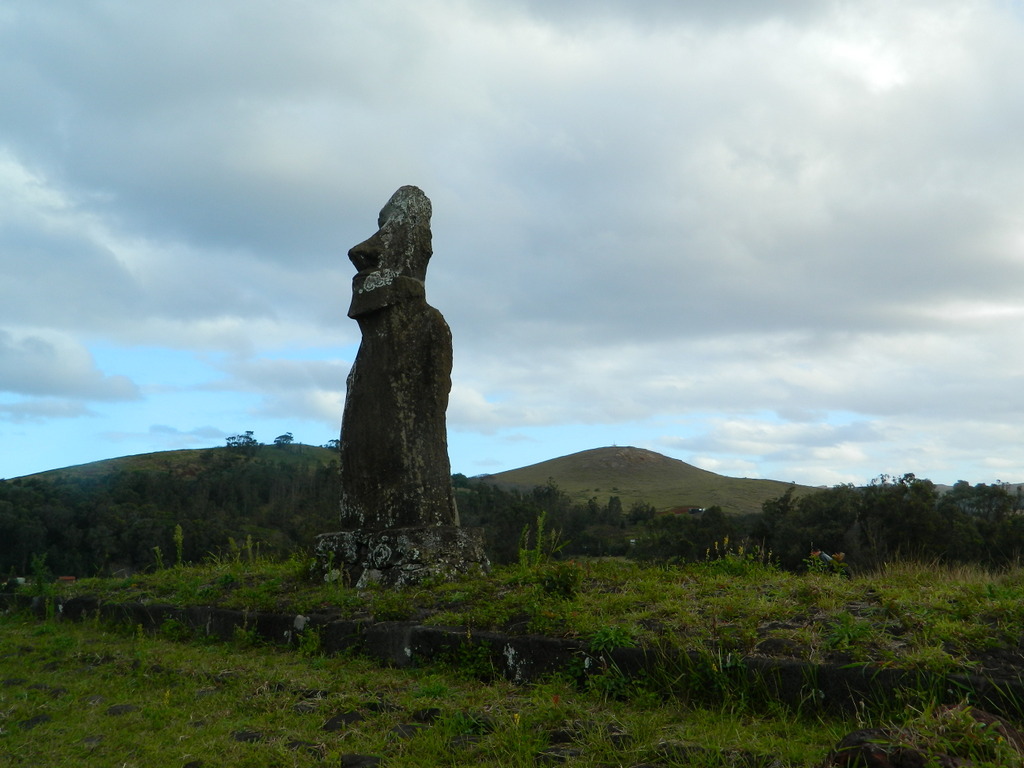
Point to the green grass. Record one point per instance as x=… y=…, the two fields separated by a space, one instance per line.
x=913 y=616
x=86 y=694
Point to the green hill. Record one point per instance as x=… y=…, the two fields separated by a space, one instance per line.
x=188 y=462
x=635 y=474
x=632 y=474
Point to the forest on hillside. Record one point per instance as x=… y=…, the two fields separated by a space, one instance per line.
x=132 y=519
x=128 y=519
x=892 y=518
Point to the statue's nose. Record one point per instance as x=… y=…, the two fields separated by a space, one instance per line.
x=367 y=254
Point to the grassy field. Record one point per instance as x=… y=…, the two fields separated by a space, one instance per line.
x=84 y=695
x=90 y=694
x=915 y=616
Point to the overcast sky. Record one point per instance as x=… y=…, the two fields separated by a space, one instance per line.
x=772 y=239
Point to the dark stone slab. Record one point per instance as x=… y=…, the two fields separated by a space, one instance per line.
x=359 y=761
x=150 y=616
x=33 y=722
x=888 y=748
x=399 y=557
x=222 y=622
x=340 y=720
x=312 y=693
x=276 y=628
x=340 y=636
x=527 y=658
x=521 y=659
x=426 y=715
x=308 y=747
x=407 y=730
x=380 y=705
x=199 y=617
x=558 y=755
x=77 y=608
x=390 y=642
x=121 y=709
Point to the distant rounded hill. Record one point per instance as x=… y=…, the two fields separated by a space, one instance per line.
x=632 y=474
x=636 y=474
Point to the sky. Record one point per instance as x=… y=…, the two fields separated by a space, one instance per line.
x=779 y=240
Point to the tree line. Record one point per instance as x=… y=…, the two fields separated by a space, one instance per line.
x=128 y=519
x=897 y=517
x=891 y=518
x=100 y=525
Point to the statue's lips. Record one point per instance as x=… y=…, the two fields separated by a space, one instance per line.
x=374 y=279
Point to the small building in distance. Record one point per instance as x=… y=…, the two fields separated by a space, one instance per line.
x=685 y=509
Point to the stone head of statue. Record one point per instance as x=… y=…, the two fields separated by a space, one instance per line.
x=400 y=248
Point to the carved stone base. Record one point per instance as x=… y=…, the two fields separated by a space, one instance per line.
x=399 y=557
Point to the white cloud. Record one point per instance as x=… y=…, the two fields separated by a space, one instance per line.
x=55 y=366
x=306 y=389
x=198 y=432
x=42 y=409
x=169 y=437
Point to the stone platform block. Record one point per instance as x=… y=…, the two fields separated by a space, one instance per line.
x=398 y=557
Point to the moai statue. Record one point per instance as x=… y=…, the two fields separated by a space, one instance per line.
x=398 y=514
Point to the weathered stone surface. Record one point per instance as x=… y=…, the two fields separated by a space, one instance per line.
x=314 y=750
x=407 y=730
x=122 y=709
x=247 y=736
x=527 y=658
x=32 y=722
x=341 y=635
x=521 y=658
x=426 y=715
x=874 y=748
x=888 y=748
x=350 y=760
x=341 y=720
x=390 y=642
x=399 y=521
x=79 y=607
x=395 y=471
x=401 y=556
